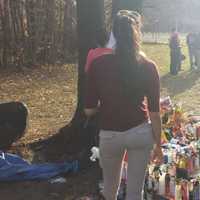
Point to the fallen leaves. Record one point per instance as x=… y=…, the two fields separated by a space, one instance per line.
x=48 y=91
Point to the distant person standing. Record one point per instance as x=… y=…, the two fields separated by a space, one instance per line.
x=190 y=40
x=197 y=50
x=175 y=52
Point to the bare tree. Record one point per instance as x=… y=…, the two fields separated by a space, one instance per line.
x=33 y=31
x=69 y=27
x=5 y=21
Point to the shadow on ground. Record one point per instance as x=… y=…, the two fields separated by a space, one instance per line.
x=76 y=186
x=174 y=85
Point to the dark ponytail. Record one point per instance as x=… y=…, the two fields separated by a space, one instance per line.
x=126 y=30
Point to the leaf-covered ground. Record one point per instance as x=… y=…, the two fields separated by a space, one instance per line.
x=48 y=91
x=50 y=94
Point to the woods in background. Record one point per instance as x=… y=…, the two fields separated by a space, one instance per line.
x=37 y=31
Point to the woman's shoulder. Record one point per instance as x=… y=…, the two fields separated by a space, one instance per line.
x=146 y=62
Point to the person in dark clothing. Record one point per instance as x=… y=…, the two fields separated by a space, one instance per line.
x=123 y=86
x=190 y=40
x=197 y=51
x=175 y=53
x=13 y=123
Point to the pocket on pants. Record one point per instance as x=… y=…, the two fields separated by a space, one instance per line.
x=106 y=135
x=148 y=133
x=141 y=138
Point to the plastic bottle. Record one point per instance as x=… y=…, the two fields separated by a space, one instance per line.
x=161 y=190
x=178 y=192
x=196 y=191
x=172 y=187
x=167 y=183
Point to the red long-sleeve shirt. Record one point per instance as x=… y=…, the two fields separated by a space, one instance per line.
x=117 y=111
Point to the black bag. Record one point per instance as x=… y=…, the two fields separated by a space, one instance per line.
x=13 y=122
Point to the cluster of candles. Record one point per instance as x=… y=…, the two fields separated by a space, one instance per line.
x=175 y=179
x=172 y=181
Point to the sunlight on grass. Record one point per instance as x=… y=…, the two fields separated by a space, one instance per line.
x=182 y=88
x=161 y=55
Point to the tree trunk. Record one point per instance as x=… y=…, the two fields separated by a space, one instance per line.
x=1 y=39
x=75 y=139
x=5 y=15
x=67 y=29
x=31 y=29
x=135 y=5
x=50 y=32
x=90 y=23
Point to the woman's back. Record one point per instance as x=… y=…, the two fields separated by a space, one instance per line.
x=119 y=111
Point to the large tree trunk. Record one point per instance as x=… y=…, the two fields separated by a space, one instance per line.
x=90 y=15
x=76 y=139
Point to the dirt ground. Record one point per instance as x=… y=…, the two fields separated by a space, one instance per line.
x=50 y=94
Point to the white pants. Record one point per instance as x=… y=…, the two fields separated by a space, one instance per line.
x=138 y=142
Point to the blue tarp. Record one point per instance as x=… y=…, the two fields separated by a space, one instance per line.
x=14 y=168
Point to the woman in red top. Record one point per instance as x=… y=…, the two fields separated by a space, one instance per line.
x=118 y=86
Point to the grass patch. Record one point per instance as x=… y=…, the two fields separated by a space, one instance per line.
x=183 y=88
x=48 y=91
x=160 y=53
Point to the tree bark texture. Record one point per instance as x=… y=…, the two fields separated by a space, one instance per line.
x=90 y=23
x=32 y=31
x=77 y=138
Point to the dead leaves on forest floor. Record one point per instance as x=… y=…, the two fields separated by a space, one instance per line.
x=48 y=91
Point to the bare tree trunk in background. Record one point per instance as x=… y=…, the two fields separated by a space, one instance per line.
x=6 y=32
x=1 y=34
x=17 y=39
x=38 y=36
x=50 y=28
x=68 y=26
x=31 y=32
